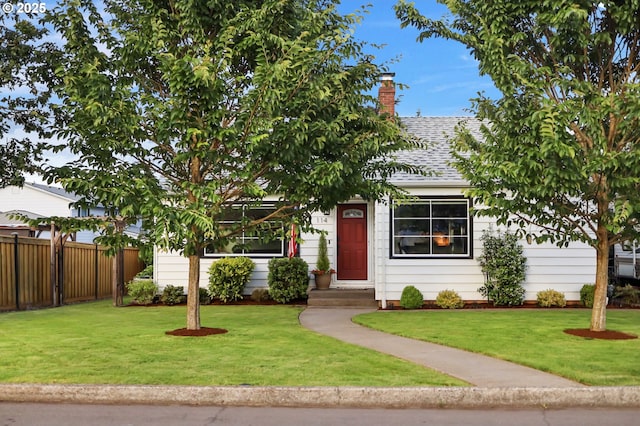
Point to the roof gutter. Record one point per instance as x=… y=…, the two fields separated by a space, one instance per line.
x=53 y=194
x=432 y=184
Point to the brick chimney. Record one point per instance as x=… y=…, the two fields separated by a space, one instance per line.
x=387 y=94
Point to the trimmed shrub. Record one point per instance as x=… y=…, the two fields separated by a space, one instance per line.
x=627 y=295
x=504 y=266
x=260 y=295
x=205 y=297
x=146 y=272
x=449 y=299
x=323 y=256
x=172 y=295
x=551 y=298
x=142 y=291
x=587 y=293
x=411 y=298
x=288 y=279
x=228 y=277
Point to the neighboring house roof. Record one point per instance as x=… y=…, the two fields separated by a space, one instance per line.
x=7 y=220
x=132 y=230
x=53 y=190
x=436 y=133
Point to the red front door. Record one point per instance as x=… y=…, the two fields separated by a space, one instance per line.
x=352 y=242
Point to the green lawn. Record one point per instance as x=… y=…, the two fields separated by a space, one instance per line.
x=532 y=337
x=96 y=343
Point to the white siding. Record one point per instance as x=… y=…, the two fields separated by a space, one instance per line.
x=563 y=269
x=173 y=269
x=310 y=241
x=430 y=276
x=170 y=268
x=45 y=204
x=34 y=201
x=327 y=222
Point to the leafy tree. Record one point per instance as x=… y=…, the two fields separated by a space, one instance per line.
x=182 y=109
x=561 y=151
x=27 y=60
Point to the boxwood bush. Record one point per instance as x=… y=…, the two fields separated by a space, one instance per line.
x=142 y=291
x=587 y=293
x=260 y=295
x=205 y=297
x=173 y=295
x=147 y=272
x=288 y=279
x=551 y=298
x=627 y=295
x=449 y=299
x=228 y=277
x=411 y=298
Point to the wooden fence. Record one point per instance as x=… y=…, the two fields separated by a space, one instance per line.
x=81 y=271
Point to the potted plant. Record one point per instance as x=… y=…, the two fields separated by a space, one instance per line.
x=323 y=269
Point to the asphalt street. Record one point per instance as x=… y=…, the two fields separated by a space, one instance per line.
x=30 y=414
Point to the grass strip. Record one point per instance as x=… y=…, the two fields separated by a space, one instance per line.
x=531 y=337
x=95 y=343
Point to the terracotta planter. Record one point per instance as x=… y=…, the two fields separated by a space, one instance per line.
x=323 y=281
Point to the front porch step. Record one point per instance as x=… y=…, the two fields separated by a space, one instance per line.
x=338 y=297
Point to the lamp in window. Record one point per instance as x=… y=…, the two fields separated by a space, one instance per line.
x=441 y=239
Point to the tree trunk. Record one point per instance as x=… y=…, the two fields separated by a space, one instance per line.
x=118 y=290
x=193 y=294
x=599 y=311
x=118 y=269
x=114 y=280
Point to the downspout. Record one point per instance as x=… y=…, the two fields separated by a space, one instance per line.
x=635 y=274
x=383 y=285
x=381 y=277
x=154 y=277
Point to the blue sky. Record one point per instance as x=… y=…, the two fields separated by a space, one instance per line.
x=441 y=75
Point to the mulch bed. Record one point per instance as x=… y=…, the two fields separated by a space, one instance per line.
x=606 y=335
x=204 y=331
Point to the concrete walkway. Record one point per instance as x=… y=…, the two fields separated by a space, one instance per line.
x=473 y=368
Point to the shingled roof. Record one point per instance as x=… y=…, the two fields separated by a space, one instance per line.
x=436 y=133
x=54 y=190
x=6 y=218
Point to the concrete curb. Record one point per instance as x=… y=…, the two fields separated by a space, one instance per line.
x=331 y=397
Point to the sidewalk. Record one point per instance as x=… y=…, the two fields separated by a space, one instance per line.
x=476 y=369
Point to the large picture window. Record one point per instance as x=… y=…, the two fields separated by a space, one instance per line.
x=249 y=243
x=431 y=228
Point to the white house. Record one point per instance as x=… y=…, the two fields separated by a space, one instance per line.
x=37 y=200
x=432 y=243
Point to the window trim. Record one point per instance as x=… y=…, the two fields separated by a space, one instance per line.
x=427 y=198
x=283 y=246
